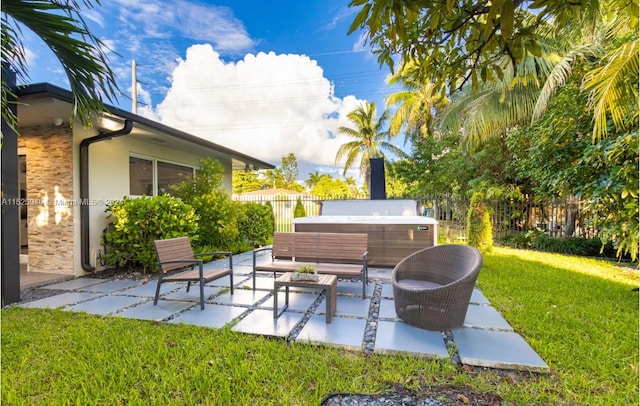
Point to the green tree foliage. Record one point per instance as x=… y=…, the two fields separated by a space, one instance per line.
x=298 y=210
x=313 y=179
x=558 y=158
x=218 y=213
x=283 y=177
x=479 y=230
x=289 y=167
x=370 y=139
x=256 y=224
x=329 y=187
x=138 y=222
x=511 y=52
x=62 y=28
x=247 y=181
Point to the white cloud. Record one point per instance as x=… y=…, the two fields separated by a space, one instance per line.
x=265 y=105
x=214 y=24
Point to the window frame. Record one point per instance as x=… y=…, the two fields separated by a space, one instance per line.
x=154 y=166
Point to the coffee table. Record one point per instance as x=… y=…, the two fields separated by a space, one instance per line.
x=326 y=283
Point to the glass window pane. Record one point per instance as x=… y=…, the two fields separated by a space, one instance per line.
x=140 y=177
x=170 y=174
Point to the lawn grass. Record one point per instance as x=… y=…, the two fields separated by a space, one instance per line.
x=580 y=315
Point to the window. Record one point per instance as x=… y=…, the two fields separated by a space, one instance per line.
x=152 y=177
x=140 y=176
x=170 y=174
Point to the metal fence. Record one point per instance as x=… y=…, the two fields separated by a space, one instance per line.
x=556 y=218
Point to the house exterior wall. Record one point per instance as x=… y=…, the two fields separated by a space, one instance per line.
x=53 y=190
x=49 y=177
x=109 y=179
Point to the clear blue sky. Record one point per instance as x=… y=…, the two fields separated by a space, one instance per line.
x=262 y=77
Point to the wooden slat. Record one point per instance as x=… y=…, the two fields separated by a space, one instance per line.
x=173 y=249
x=283 y=246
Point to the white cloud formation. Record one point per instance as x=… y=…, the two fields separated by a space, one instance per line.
x=201 y=22
x=265 y=105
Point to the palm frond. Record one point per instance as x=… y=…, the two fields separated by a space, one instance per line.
x=614 y=88
x=559 y=75
x=62 y=28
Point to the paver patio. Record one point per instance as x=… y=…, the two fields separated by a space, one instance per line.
x=486 y=339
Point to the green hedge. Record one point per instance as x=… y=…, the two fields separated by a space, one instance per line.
x=137 y=222
x=536 y=240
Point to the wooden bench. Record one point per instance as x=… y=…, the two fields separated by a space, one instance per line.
x=177 y=264
x=340 y=254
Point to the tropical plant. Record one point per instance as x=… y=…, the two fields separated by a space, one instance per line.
x=61 y=26
x=415 y=104
x=515 y=55
x=369 y=136
x=314 y=178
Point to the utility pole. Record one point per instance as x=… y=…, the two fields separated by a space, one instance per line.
x=134 y=88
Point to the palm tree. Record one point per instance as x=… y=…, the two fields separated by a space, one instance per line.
x=314 y=178
x=60 y=25
x=416 y=104
x=369 y=140
x=608 y=50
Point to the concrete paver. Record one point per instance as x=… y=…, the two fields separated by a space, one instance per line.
x=261 y=322
x=213 y=315
x=105 y=305
x=342 y=331
x=496 y=349
x=402 y=337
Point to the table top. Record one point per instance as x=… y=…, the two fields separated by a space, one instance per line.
x=322 y=280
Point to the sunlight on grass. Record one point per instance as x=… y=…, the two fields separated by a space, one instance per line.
x=587 y=266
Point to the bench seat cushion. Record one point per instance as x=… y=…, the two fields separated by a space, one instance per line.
x=209 y=275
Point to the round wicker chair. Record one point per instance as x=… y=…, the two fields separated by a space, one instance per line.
x=432 y=287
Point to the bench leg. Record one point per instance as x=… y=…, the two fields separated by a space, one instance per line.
x=155 y=299
x=201 y=294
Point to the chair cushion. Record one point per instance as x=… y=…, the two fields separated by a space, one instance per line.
x=417 y=284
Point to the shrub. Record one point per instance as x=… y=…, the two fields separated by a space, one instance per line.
x=256 y=224
x=480 y=233
x=218 y=213
x=517 y=240
x=539 y=241
x=299 y=210
x=218 y=219
x=137 y=222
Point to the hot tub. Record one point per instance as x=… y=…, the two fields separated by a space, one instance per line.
x=391 y=237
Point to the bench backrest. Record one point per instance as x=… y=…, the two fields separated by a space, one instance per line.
x=173 y=249
x=306 y=246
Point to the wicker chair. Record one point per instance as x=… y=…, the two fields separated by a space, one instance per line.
x=432 y=287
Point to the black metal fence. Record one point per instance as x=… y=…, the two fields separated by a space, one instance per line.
x=556 y=218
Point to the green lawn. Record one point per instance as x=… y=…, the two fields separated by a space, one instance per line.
x=580 y=315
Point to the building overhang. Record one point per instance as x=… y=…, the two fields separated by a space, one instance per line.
x=44 y=104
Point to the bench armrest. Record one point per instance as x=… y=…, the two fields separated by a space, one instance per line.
x=227 y=254
x=267 y=248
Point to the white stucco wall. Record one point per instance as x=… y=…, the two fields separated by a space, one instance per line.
x=109 y=180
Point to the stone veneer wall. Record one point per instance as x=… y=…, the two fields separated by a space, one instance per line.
x=50 y=198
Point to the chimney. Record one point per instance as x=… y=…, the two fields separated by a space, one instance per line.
x=377 y=187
